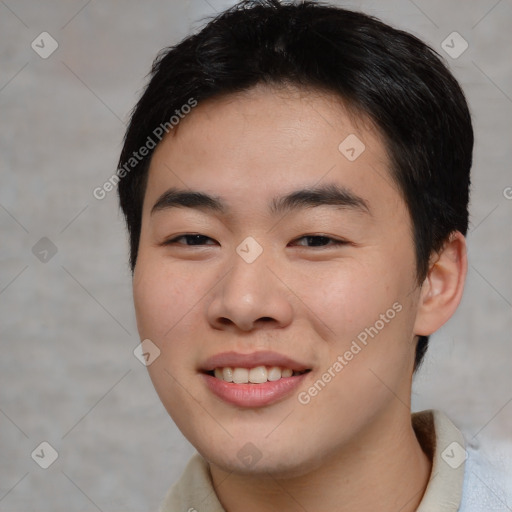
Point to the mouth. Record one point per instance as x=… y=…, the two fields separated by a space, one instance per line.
x=252 y=380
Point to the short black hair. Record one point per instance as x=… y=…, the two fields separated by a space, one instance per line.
x=385 y=74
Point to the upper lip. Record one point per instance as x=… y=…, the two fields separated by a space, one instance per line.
x=238 y=360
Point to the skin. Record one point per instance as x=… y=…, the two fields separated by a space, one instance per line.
x=352 y=446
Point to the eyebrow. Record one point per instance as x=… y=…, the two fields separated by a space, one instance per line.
x=326 y=195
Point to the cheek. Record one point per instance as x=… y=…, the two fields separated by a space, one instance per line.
x=370 y=314
x=369 y=311
x=166 y=300
x=163 y=297
x=349 y=296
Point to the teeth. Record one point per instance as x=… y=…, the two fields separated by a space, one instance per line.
x=240 y=375
x=256 y=375
x=227 y=374
x=274 y=373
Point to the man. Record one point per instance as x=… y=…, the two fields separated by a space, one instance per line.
x=295 y=183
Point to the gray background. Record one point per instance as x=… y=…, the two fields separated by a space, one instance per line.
x=67 y=331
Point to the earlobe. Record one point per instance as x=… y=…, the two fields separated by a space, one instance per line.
x=442 y=288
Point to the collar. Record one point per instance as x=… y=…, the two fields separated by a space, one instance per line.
x=444 y=444
x=440 y=439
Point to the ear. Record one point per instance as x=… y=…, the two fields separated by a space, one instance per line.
x=442 y=289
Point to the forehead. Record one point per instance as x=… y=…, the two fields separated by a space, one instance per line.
x=268 y=141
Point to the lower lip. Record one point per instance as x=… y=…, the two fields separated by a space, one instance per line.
x=253 y=395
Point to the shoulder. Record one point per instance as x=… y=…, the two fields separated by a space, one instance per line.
x=466 y=476
x=487 y=479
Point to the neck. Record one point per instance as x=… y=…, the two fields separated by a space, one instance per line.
x=385 y=469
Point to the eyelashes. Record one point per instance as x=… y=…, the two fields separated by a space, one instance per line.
x=198 y=240
x=195 y=239
x=321 y=241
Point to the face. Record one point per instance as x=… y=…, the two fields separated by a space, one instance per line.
x=275 y=250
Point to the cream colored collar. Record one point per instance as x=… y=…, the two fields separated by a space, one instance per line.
x=438 y=436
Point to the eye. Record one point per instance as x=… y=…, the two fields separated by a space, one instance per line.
x=190 y=239
x=318 y=241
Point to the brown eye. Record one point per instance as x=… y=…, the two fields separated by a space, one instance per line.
x=318 y=241
x=190 y=239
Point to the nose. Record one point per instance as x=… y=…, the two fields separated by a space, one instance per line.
x=250 y=296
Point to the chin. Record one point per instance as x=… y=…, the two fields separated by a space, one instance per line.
x=273 y=461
